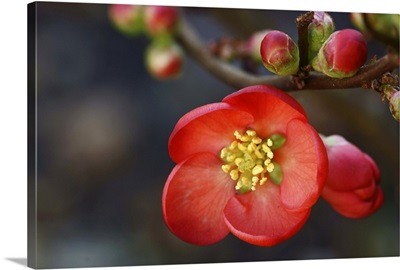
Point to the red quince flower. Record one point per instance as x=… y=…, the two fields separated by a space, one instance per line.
x=251 y=165
x=352 y=186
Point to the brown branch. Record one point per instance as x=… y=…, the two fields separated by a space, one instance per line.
x=239 y=79
x=302 y=23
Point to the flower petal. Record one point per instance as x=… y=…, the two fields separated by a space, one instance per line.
x=351 y=205
x=194 y=197
x=271 y=108
x=260 y=218
x=304 y=164
x=350 y=168
x=206 y=129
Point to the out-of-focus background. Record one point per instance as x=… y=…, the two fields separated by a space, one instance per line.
x=103 y=125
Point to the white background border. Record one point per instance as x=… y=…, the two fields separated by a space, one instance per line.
x=13 y=120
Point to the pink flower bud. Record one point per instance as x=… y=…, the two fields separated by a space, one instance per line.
x=280 y=53
x=342 y=54
x=253 y=44
x=319 y=30
x=352 y=186
x=164 y=61
x=127 y=18
x=161 y=19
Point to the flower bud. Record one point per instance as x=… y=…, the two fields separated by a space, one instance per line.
x=319 y=30
x=352 y=186
x=280 y=53
x=164 y=60
x=161 y=20
x=385 y=24
x=393 y=96
x=342 y=54
x=252 y=45
x=127 y=18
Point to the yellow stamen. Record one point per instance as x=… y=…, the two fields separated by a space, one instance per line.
x=226 y=167
x=248 y=160
x=257 y=170
x=234 y=174
x=263 y=180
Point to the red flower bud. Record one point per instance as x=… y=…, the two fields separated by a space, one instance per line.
x=352 y=186
x=342 y=54
x=161 y=19
x=164 y=61
x=319 y=30
x=280 y=53
x=127 y=18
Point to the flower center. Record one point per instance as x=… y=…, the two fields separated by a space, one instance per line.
x=249 y=160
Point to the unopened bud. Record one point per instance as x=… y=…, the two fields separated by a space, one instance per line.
x=385 y=24
x=393 y=96
x=164 y=60
x=127 y=18
x=161 y=20
x=280 y=53
x=342 y=54
x=319 y=30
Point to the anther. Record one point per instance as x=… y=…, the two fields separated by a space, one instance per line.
x=248 y=160
x=257 y=170
x=226 y=168
x=234 y=174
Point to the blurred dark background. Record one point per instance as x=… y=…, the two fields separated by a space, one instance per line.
x=102 y=130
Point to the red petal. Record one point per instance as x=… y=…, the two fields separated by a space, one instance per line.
x=271 y=108
x=304 y=164
x=194 y=197
x=350 y=205
x=206 y=129
x=259 y=217
x=350 y=168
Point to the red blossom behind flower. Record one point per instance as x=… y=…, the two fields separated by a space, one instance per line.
x=352 y=186
x=206 y=195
